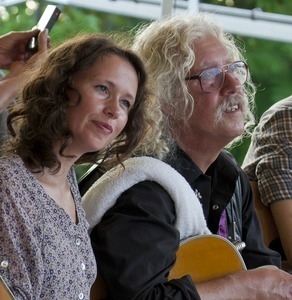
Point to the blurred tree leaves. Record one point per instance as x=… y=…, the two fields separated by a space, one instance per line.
x=270 y=62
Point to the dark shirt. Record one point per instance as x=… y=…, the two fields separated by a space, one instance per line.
x=136 y=242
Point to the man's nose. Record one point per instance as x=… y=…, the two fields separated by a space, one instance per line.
x=231 y=83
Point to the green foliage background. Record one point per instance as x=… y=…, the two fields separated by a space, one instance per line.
x=270 y=62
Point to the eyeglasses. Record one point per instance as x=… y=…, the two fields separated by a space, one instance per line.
x=212 y=79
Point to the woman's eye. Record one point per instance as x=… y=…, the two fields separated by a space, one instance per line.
x=126 y=103
x=103 y=89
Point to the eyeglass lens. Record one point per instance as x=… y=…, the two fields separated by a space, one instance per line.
x=212 y=79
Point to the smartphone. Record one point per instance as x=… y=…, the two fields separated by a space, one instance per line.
x=47 y=20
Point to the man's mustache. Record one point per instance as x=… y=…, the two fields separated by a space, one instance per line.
x=230 y=101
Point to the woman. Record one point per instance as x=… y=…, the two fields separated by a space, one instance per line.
x=84 y=104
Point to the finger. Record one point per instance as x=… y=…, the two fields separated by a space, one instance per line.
x=23 y=35
x=268 y=267
x=43 y=40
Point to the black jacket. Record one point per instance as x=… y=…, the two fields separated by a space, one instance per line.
x=135 y=243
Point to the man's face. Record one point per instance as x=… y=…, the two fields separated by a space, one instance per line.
x=218 y=116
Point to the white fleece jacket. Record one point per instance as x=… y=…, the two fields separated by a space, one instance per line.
x=103 y=194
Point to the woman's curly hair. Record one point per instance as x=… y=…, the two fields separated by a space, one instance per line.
x=37 y=123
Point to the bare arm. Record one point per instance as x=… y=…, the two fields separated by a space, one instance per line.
x=282 y=213
x=264 y=283
x=270 y=159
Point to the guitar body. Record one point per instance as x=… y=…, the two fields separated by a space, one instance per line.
x=5 y=293
x=98 y=290
x=203 y=257
x=206 y=257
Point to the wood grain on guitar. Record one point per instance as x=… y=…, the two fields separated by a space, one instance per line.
x=5 y=293
x=206 y=257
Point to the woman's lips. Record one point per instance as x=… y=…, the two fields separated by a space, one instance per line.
x=104 y=126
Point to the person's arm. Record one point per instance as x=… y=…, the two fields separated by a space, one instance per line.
x=135 y=245
x=20 y=247
x=264 y=283
x=273 y=146
x=282 y=214
x=14 y=80
x=255 y=254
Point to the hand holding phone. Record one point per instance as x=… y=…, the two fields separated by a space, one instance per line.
x=47 y=20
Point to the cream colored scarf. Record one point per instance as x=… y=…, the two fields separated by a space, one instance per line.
x=102 y=195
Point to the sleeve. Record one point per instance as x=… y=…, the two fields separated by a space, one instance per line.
x=20 y=253
x=255 y=254
x=273 y=150
x=135 y=245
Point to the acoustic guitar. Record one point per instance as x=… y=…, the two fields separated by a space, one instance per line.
x=206 y=257
x=203 y=257
x=5 y=293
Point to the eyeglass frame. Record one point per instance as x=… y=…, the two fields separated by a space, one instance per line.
x=224 y=69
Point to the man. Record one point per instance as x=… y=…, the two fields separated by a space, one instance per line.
x=203 y=87
x=268 y=162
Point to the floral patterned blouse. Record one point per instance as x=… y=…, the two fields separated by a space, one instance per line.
x=43 y=253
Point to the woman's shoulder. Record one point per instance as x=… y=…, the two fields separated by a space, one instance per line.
x=15 y=178
x=13 y=159
x=17 y=187
x=13 y=166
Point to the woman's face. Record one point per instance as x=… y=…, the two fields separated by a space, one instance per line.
x=107 y=92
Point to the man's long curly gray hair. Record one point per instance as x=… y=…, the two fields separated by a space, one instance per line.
x=166 y=47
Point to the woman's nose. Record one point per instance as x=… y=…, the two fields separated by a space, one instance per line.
x=112 y=108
